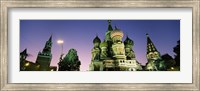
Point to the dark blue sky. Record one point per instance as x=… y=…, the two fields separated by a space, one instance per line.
x=79 y=34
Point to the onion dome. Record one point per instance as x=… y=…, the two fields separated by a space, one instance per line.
x=128 y=41
x=116 y=32
x=104 y=44
x=96 y=40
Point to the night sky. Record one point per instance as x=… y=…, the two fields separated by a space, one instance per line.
x=79 y=34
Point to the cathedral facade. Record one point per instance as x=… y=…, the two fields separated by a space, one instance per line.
x=113 y=54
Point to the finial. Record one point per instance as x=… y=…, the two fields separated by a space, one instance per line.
x=116 y=27
x=50 y=38
x=126 y=34
x=96 y=35
x=147 y=34
x=51 y=34
x=25 y=50
x=109 y=21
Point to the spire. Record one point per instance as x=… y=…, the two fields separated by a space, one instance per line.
x=109 y=21
x=116 y=27
x=24 y=52
x=23 y=55
x=147 y=34
x=47 y=47
x=50 y=39
x=150 y=46
x=109 y=26
x=127 y=36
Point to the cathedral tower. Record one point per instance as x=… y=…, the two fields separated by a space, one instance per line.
x=128 y=48
x=118 y=45
x=23 y=55
x=96 y=50
x=152 y=53
x=108 y=39
x=96 y=63
x=110 y=29
x=44 y=57
x=155 y=63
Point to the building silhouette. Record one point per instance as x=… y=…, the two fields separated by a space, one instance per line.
x=44 y=57
x=42 y=62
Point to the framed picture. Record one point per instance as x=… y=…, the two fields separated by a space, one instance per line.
x=99 y=45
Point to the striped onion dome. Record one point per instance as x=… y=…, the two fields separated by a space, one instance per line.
x=116 y=32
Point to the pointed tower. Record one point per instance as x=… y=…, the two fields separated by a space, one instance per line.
x=108 y=39
x=44 y=57
x=47 y=47
x=108 y=31
x=152 y=53
x=153 y=56
x=23 y=55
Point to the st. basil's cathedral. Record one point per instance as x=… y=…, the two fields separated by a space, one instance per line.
x=113 y=54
